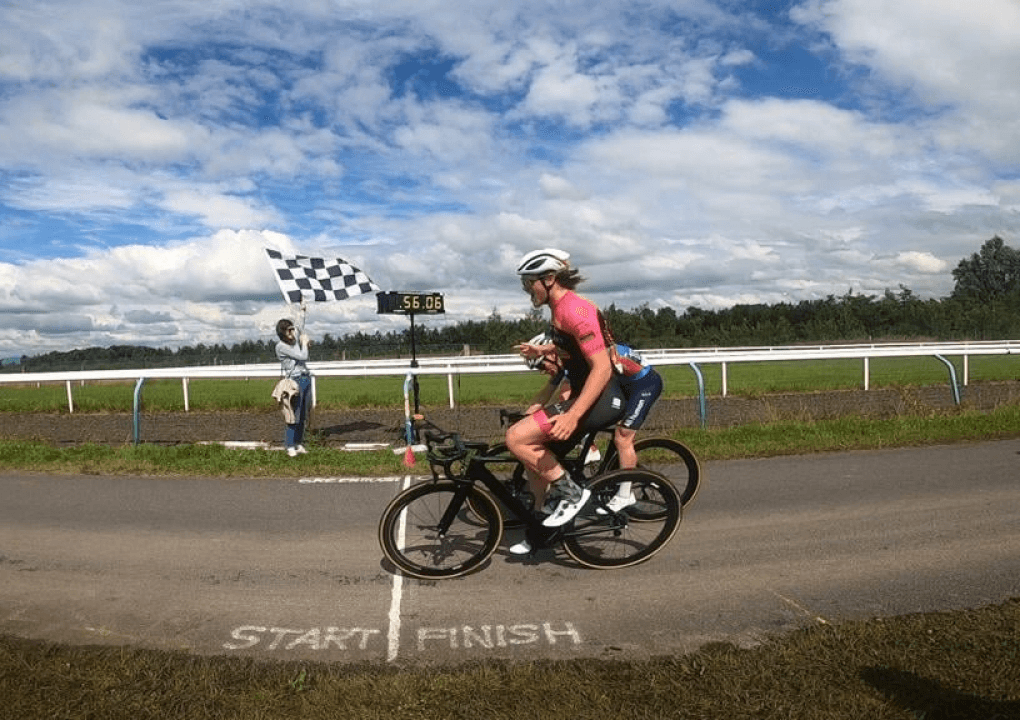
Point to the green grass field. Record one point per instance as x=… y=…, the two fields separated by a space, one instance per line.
x=502 y=389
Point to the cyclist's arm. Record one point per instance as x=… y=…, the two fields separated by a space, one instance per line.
x=530 y=352
x=542 y=398
x=554 y=391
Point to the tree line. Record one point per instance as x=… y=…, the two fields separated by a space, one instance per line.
x=984 y=305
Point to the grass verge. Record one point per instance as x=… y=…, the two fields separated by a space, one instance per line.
x=194 y=460
x=751 y=440
x=937 y=666
x=854 y=433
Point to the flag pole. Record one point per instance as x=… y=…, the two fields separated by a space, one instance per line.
x=303 y=312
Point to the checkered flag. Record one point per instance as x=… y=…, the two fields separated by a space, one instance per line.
x=318 y=279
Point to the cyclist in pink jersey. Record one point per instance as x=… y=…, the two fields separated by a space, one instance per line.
x=582 y=341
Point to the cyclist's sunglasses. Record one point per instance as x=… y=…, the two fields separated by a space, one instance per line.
x=528 y=280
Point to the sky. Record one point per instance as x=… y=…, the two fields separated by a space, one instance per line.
x=687 y=153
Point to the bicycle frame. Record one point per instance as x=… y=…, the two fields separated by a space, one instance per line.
x=575 y=463
x=475 y=471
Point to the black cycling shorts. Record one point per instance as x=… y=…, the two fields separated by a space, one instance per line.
x=606 y=412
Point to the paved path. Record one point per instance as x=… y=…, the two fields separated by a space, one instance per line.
x=288 y=570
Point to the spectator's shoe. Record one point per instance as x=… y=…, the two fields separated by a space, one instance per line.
x=521 y=548
x=566 y=498
x=617 y=503
x=292 y=451
x=301 y=450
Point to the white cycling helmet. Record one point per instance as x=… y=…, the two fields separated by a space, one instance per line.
x=540 y=262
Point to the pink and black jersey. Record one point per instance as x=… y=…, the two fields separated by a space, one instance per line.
x=579 y=331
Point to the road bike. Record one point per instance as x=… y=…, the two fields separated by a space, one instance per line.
x=596 y=454
x=452 y=523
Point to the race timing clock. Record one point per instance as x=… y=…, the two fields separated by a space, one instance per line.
x=410 y=303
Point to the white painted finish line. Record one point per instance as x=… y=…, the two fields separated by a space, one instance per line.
x=396 y=594
x=397 y=590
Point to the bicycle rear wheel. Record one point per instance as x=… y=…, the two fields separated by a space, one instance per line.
x=412 y=539
x=671 y=459
x=614 y=540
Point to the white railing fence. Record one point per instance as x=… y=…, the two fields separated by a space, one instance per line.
x=452 y=366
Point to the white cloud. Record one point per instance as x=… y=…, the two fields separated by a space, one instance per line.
x=556 y=186
x=922 y=262
x=448 y=131
x=44 y=41
x=89 y=123
x=74 y=192
x=962 y=56
x=558 y=89
x=283 y=152
x=653 y=145
x=217 y=210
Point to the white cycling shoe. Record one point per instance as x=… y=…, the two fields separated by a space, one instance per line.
x=521 y=548
x=617 y=503
x=566 y=509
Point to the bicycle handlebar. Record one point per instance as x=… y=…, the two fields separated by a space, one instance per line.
x=437 y=440
x=444 y=449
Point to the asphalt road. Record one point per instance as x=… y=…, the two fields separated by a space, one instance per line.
x=288 y=570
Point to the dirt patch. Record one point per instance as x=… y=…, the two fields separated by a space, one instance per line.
x=337 y=428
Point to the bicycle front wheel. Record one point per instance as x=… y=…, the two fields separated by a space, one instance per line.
x=413 y=537
x=671 y=459
x=601 y=538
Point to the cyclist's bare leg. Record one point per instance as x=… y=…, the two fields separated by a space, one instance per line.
x=526 y=440
x=623 y=438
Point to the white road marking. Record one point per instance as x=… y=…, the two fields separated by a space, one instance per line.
x=393 y=641
x=798 y=606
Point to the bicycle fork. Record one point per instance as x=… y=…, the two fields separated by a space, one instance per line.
x=456 y=503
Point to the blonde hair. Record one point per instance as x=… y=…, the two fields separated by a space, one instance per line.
x=569 y=277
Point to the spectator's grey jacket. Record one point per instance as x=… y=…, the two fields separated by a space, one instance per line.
x=293 y=359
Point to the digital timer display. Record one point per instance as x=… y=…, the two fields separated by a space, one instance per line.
x=410 y=303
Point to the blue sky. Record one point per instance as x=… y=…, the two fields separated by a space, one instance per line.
x=686 y=153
